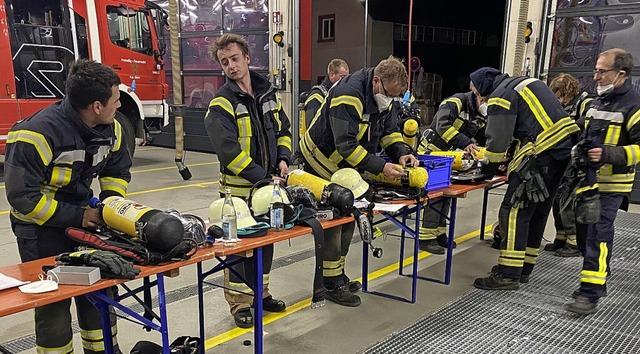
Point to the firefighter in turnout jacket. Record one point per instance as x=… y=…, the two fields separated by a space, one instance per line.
x=354 y=119
x=51 y=160
x=523 y=109
x=575 y=103
x=336 y=70
x=250 y=133
x=612 y=133
x=458 y=124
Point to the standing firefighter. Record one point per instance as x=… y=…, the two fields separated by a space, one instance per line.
x=523 y=109
x=52 y=158
x=250 y=134
x=458 y=124
x=606 y=157
x=353 y=120
x=336 y=70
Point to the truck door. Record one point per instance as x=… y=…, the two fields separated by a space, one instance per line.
x=8 y=99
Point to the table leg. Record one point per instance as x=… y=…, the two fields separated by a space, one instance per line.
x=416 y=233
x=483 y=218
x=201 y=305
x=257 y=301
x=402 y=237
x=365 y=266
x=105 y=319
x=162 y=307
x=452 y=229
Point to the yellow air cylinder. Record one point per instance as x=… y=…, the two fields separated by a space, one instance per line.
x=305 y=179
x=416 y=177
x=410 y=132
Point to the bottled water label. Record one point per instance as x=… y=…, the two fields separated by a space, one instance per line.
x=277 y=218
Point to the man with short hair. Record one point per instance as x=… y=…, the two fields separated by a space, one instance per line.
x=249 y=131
x=610 y=150
x=354 y=120
x=51 y=160
x=336 y=70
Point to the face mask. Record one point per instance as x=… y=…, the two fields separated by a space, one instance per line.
x=383 y=101
x=41 y=286
x=603 y=90
x=482 y=109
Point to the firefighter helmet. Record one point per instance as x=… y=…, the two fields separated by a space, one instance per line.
x=261 y=199
x=243 y=215
x=351 y=179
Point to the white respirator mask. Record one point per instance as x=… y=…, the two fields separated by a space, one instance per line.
x=41 y=286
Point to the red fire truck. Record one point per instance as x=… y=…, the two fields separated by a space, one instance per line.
x=40 y=38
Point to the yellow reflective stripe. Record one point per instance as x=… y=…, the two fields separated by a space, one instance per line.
x=117 y=185
x=65 y=349
x=60 y=176
x=499 y=101
x=362 y=128
x=494 y=157
x=613 y=134
x=559 y=131
x=457 y=123
x=36 y=139
x=517 y=263
x=332 y=268
x=454 y=100
x=511 y=232
x=428 y=233
x=238 y=164
x=449 y=134
x=635 y=118
x=222 y=103
x=43 y=211
x=633 y=154
x=285 y=141
x=512 y=254
x=316 y=96
x=244 y=132
x=347 y=100
x=390 y=139
x=239 y=289
x=532 y=251
x=235 y=180
x=358 y=154
x=316 y=158
x=587 y=188
x=530 y=259
x=242 y=192
x=518 y=156
x=593 y=277
x=602 y=260
x=276 y=115
x=536 y=108
x=336 y=157
x=616 y=188
x=118 y=132
x=583 y=105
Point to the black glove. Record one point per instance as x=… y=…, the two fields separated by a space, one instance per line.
x=532 y=188
x=111 y=265
x=587 y=204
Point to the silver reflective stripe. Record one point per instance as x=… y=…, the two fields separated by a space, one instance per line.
x=69 y=157
x=102 y=153
x=521 y=86
x=615 y=117
x=269 y=105
x=240 y=109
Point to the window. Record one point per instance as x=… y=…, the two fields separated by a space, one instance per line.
x=129 y=29
x=327 y=28
x=444 y=35
x=401 y=32
x=465 y=37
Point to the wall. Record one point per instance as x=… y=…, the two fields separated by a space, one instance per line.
x=381 y=41
x=513 y=35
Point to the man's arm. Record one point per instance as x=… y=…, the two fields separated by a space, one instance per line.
x=627 y=155
x=312 y=105
x=283 y=134
x=448 y=124
x=501 y=123
x=223 y=131
x=115 y=176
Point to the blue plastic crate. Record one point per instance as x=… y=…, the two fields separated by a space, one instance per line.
x=439 y=168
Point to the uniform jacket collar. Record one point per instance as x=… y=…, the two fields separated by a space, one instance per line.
x=259 y=84
x=86 y=132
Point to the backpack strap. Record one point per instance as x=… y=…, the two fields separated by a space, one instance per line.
x=307 y=217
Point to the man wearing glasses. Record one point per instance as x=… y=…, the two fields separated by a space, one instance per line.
x=611 y=150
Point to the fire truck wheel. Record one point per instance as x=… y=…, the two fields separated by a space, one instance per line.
x=128 y=134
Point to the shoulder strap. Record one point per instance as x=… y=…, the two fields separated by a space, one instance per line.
x=318 y=239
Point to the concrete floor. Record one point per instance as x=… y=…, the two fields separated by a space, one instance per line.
x=332 y=328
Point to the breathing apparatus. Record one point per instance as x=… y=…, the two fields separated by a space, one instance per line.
x=325 y=192
x=462 y=161
x=260 y=203
x=413 y=177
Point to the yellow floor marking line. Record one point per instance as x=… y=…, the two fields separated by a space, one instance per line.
x=306 y=303
x=175 y=167
x=201 y=185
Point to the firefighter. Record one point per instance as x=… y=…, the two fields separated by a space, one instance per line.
x=353 y=120
x=575 y=103
x=249 y=131
x=523 y=109
x=458 y=124
x=611 y=149
x=51 y=160
x=336 y=70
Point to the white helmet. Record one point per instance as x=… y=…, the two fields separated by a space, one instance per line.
x=243 y=215
x=350 y=179
x=261 y=199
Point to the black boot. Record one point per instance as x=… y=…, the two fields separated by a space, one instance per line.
x=342 y=296
x=568 y=251
x=353 y=286
x=442 y=241
x=556 y=245
x=524 y=278
x=431 y=246
x=577 y=292
x=582 y=306
x=496 y=282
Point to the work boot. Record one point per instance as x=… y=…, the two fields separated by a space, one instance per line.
x=496 y=282
x=582 y=306
x=353 y=286
x=342 y=296
x=524 y=278
x=568 y=251
x=272 y=305
x=243 y=318
x=577 y=292
x=556 y=245
x=442 y=241
x=431 y=246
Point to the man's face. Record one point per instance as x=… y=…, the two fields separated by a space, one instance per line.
x=479 y=99
x=605 y=74
x=335 y=76
x=105 y=114
x=233 y=62
x=564 y=100
x=389 y=89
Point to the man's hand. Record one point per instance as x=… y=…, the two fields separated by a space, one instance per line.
x=408 y=159
x=472 y=149
x=595 y=154
x=92 y=218
x=284 y=168
x=392 y=171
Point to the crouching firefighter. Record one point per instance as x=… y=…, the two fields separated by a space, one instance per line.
x=353 y=120
x=523 y=109
x=606 y=160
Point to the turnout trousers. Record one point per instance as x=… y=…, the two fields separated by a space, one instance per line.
x=522 y=228
x=434 y=223
x=53 y=322
x=238 y=294
x=595 y=241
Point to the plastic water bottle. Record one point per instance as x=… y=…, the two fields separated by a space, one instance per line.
x=229 y=222
x=276 y=217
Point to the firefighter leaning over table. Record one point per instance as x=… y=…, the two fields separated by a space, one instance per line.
x=458 y=124
x=524 y=109
x=250 y=133
x=354 y=119
x=605 y=159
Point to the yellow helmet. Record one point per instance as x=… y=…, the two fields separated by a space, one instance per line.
x=261 y=199
x=243 y=215
x=350 y=179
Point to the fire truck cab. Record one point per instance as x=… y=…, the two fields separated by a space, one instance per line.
x=40 y=38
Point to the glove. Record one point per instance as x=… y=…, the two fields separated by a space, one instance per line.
x=587 y=204
x=111 y=265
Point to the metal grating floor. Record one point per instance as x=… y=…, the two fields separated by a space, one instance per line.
x=533 y=319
